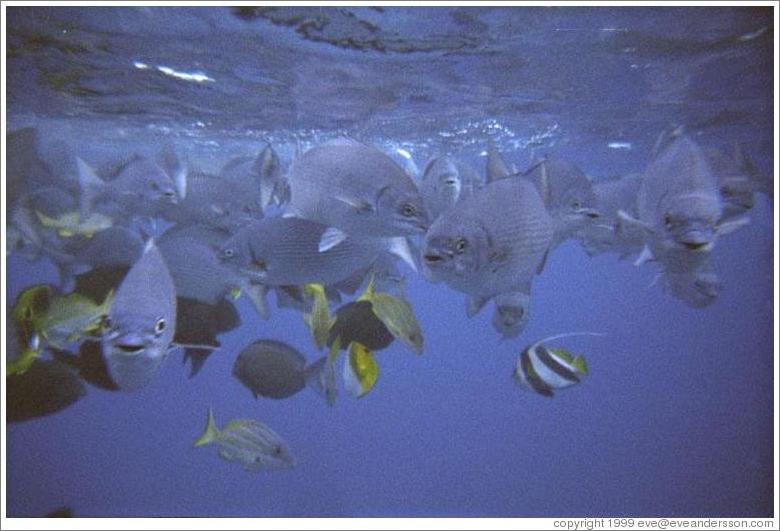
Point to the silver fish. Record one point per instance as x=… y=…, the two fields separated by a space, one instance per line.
x=248 y=442
x=567 y=193
x=678 y=202
x=512 y=313
x=493 y=242
x=271 y=369
x=196 y=270
x=138 y=187
x=610 y=233
x=285 y=252
x=215 y=202
x=355 y=188
x=141 y=322
x=444 y=182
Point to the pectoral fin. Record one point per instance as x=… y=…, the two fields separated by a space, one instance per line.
x=400 y=247
x=331 y=238
x=645 y=256
x=631 y=220
x=360 y=205
x=727 y=227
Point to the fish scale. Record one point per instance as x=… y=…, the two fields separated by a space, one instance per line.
x=289 y=246
x=197 y=272
x=512 y=213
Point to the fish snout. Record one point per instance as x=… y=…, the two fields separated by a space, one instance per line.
x=697 y=239
x=131 y=343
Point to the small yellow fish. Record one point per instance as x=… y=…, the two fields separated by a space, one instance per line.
x=396 y=315
x=30 y=305
x=319 y=320
x=71 y=317
x=248 y=442
x=360 y=370
x=70 y=224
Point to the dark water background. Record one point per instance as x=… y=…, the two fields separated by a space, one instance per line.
x=675 y=417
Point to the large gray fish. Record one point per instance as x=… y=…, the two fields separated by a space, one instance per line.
x=138 y=187
x=680 y=207
x=444 y=182
x=512 y=313
x=141 y=322
x=610 y=233
x=271 y=369
x=567 y=193
x=263 y=172
x=493 y=242
x=197 y=271
x=285 y=252
x=355 y=188
x=216 y=202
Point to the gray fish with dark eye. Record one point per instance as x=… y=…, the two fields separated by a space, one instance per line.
x=141 y=322
x=567 y=193
x=263 y=173
x=610 y=233
x=271 y=369
x=698 y=288
x=356 y=188
x=215 y=202
x=444 y=182
x=138 y=187
x=196 y=270
x=356 y=321
x=679 y=201
x=248 y=442
x=493 y=242
x=512 y=313
x=285 y=252
x=47 y=387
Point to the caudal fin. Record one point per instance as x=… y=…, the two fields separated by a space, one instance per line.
x=210 y=434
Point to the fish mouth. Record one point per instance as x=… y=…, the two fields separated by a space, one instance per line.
x=432 y=259
x=129 y=348
x=698 y=247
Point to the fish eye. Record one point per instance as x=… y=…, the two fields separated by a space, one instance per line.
x=461 y=245
x=668 y=220
x=576 y=204
x=159 y=326
x=107 y=322
x=408 y=210
x=228 y=253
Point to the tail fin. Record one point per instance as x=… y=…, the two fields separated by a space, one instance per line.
x=210 y=434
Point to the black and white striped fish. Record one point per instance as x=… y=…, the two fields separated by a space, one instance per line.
x=544 y=370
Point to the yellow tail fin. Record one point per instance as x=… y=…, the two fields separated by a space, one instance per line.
x=210 y=434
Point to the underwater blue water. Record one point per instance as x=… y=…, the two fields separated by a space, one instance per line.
x=675 y=417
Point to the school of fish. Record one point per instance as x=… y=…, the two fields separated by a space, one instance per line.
x=152 y=253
